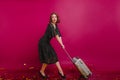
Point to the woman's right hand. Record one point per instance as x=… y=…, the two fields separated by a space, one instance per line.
x=63 y=46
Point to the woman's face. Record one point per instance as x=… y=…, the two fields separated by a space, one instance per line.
x=54 y=18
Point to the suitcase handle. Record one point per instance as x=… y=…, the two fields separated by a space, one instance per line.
x=67 y=54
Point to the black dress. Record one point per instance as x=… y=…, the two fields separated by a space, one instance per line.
x=46 y=52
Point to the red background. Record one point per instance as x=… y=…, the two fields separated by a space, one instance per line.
x=90 y=30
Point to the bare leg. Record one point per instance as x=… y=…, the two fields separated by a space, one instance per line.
x=44 y=65
x=59 y=68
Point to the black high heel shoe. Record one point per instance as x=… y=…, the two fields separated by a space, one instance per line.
x=62 y=76
x=44 y=77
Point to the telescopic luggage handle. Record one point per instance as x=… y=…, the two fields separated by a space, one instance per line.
x=68 y=54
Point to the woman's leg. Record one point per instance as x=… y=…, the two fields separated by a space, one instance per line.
x=44 y=65
x=59 y=68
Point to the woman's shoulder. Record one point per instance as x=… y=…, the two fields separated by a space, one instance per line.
x=49 y=25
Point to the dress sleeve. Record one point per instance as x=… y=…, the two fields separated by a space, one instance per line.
x=55 y=32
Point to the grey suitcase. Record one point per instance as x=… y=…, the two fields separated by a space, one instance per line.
x=81 y=66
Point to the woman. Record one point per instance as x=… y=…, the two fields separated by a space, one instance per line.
x=46 y=52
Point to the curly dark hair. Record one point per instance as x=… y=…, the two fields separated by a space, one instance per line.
x=58 y=20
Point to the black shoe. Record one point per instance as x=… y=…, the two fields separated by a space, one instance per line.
x=62 y=76
x=44 y=77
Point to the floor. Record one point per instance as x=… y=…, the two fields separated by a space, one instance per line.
x=32 y=73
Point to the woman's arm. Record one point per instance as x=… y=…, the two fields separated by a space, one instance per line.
x=59 y=39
